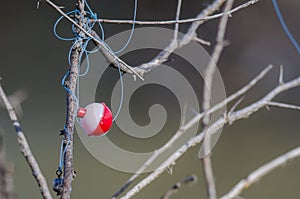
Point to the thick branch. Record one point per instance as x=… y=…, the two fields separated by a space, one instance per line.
x=72 y=109
x=25 y=149
x=68 y=137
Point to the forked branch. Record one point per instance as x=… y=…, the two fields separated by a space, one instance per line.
x=188 y=125
x=161 y=57
x=227 y=119
x=182 y=21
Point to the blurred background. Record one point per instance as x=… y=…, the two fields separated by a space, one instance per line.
x=33 y=59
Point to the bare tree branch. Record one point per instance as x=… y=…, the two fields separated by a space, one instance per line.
x=187 y=38
x=201 y=41
x=25 y=149
x=187 y=126
x=281 y=75
x=207 y=18
x=283 y=105
x=237 y=115
x=6 y=172
x=162 y=57
x=177 y=18
x=72 y=106
x=257 y=174
x=109 y=55
x=175 y=187
x=16 y=99
x=208 y=82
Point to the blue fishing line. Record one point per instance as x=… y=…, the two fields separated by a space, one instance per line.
x=87 y=68
x=77 y=92
x=56 y=24
x=62 y=153
x=89 y=8
x=63 y=149
x=132 y=29
x=284 y=26
x=60 y=165
x=122 y=93
x=84 y=51
x=122 y=87
x=83 y=44
x=94 y=16
x=67 y=89
x=61 y=160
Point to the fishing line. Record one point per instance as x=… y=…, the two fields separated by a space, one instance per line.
x=284 y=26
x=83 y=42
x=132 y=29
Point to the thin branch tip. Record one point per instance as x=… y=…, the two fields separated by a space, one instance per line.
x=233 y=108
x=283 y=105
x=168 y=22
x=187 y=180
x=202 y=41
x=281 y=75
x=38 y=4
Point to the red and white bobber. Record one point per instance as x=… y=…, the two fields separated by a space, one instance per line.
x=95 y=119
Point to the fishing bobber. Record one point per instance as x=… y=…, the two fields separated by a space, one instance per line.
x=95 y=119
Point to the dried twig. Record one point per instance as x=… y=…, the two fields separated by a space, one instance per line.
x=177 y=18
x=188 y=125
x=281 y=75
x=72 y=107
x=208 y=79
x=16 y=99
x=201 y=41
x=169 y=22
x=237 y=115
x=25 y=149
x=261 y=172
x=283 y=105
x=175 y=187
x=187 y=37
x=6 y=179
